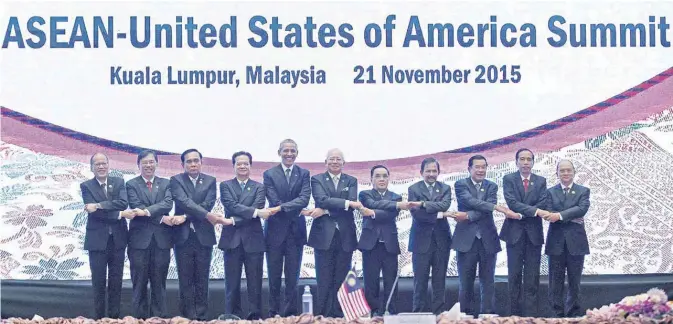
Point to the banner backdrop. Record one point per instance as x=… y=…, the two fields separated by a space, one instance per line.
x=387 y=82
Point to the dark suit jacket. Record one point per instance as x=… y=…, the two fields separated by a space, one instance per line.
x=195 y=202
x=570 y=230
x=106 y=218
x=424 y=219
x=326 y=197
x=524 y=203
x=159 y=203
x=291 y=198
x=383 y=225
x=241 y=205
x=479 y=208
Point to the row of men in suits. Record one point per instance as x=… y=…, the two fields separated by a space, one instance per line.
x=287 y=189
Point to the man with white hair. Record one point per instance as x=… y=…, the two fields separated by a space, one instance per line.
x=333 y=230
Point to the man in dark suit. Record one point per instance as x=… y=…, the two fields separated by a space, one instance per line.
x=378 y=241
x=288 y=191
x=243 y=243
x=106 y=234
x=194 y=194
x=526 y=195
x=150 y=236
x=333 y=230
x=430 y=237
x=476 y=237
x=567 y=241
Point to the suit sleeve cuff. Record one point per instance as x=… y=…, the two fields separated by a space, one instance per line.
x=374 y=216
x=440 y=215
x=148 y=213
x=161 y=220
x=254 y=215
x=520 y=216
x=120 y=215
x=560 y=216
x=347 y=203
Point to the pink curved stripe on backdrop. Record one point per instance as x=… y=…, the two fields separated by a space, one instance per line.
x=643 y=105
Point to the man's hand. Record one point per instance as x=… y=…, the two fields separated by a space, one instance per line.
x=542 y=213
x=226 y=221
x=306 y=212
x=403 y=205
x=90 y=208
x=512 y=215
x=355 y=204
x=128 y=214
x=553 y=217
x=366 y=212
x=502 y=209
x=264 y=213
x=415 y=204
x=460 y=216
x=214 y=218
x=274 y=210
x=179 y=219
x=168 y=220
x=140 y=212
x=317 y=212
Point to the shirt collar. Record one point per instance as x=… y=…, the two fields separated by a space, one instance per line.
x=150 y=180
x=102 y=183
x=286 y=168
x=524 y=178
x=430 y=184
x=475 y=183
x=569 y=187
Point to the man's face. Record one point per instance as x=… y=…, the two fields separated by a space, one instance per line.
x=566 y=172
x=380 y=179
x=335 y=162
x=99 y=166
x=288 y=154
x=192 y=164
x=525 y=162
x=430 y=172
x=242 y=166
x=478 y=170
x=148 y=166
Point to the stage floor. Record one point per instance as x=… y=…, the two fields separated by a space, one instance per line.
x=69 y=299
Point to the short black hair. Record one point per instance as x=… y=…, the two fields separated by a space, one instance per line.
x=144 y=153
x=475 y=157
x=239 y=153
x=378 y=166
x=516 y=156
x=94 y=155
x=426 y=161
x=182 y=157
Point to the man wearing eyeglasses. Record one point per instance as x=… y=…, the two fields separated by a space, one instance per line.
x=106 y=235
x=150 y=236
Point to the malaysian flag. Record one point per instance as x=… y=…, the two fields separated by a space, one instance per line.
x=352 y=298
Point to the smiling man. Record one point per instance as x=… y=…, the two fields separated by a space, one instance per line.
x=288 y=191
x=106 y=235
x=150 y=236
x=567 y=241
x=243 y=243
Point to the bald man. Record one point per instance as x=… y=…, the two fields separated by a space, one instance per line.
x=567 y=241
x=106 y=235
x=333 y=230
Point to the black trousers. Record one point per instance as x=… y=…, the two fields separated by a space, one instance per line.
x=558 y=265
x=332 y=266
x=234 y=260
x=193 y=261
x=422 y=263
x=149 y=265
x=523 y=267
x=285 y=258
x=374 y=262
x=107 y=270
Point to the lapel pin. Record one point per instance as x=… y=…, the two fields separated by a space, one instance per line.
x=531 y=183
x=248 y=188
x=572 y=192
x=437 y=190
x=200 y=181
x=327 y=179
x=109 y=186
x=482 y=189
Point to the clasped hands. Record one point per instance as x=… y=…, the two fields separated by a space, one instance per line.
x=548 y=216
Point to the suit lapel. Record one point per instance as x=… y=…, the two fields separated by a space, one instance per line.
x=341 y=185
x=472 y=188
x=294 y=176
x=518 y=182
x=188 y=184
x=98 y=191
x=327 y=182
x=156 y=186
x=145 y=190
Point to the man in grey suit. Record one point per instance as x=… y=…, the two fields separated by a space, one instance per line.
x=106 y=235
x=430 y=237
x=150 y=236
x=243 y=242
x=567 y=241
x=476 y=237
x=194 y=194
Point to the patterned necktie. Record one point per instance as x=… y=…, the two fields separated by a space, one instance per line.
x=431 y=191
x=525 y=185
x=287 y=175
x=336 y=183
x=149 y=185
x=565 y=191
x=242 y=186
x=478 y=186
x=102 y=186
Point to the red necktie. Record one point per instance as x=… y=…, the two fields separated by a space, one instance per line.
x=149 y=185
x=525 y=185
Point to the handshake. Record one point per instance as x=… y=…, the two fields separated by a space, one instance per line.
x=548 y=216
